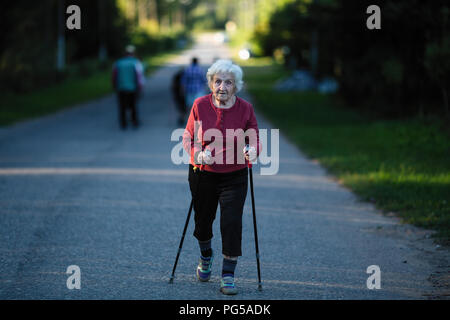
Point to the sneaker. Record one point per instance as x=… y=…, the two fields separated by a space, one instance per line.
x=227 y=285
x=204 y=268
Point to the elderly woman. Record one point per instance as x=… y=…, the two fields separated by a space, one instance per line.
x=221 y=136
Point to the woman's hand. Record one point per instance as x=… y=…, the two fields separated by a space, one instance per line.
x=204 y=157
x=250 y=153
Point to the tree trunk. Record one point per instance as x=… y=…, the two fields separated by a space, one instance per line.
x=102 y=51
x=61 y=45
x=445 y=96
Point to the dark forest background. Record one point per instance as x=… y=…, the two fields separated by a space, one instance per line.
x=401 y=70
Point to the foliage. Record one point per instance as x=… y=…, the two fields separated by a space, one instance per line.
x=29 y=40
x=29 y=37
x=399 y=71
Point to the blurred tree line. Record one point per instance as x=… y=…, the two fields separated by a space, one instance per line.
x=402 y=69
x=30 y=31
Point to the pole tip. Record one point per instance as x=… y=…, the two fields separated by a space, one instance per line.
x=260 y=287
x=171 y=280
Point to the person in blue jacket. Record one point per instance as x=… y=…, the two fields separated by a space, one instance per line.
x=128 y=81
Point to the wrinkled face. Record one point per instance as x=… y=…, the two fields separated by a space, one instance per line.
x=223 y=86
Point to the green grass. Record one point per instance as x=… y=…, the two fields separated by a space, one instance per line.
x=403 y=166
x=16 y=107
x=74 y=90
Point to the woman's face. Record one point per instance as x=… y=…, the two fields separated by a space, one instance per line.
x=223 y=86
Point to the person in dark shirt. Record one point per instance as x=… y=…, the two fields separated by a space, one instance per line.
x=178 y=96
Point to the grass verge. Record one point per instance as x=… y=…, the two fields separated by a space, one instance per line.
x=402 y=166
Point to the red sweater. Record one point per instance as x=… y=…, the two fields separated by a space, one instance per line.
x=230 y=132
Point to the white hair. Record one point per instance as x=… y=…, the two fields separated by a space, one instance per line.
x=228 y=66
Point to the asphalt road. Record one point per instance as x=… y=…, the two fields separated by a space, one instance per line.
x=75 y=190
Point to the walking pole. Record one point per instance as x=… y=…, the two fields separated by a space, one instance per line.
x=184 y=231
x=254 y=225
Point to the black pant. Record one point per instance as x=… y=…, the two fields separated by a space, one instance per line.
x=228 y=189
x=127 y=100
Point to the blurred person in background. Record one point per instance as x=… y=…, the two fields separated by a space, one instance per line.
x=179 y=96
x=128 y=81
x=193 y=82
